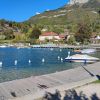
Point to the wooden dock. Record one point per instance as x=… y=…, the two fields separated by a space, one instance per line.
x=34 y=84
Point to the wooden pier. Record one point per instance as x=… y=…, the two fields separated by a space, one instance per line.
x=35 y=84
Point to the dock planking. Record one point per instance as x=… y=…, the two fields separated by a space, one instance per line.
x=34 y=84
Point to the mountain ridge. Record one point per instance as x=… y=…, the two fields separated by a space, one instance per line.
x=60 y=15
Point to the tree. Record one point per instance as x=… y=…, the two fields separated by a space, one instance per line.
x=9 y=34
x=83 y=33
x=20 y=38
x=71 y=40
x=57 y=30
x=35 y=33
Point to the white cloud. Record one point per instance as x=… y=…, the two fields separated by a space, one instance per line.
x=37 y=13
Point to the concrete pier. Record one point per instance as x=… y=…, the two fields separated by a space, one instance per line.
x=34 y=84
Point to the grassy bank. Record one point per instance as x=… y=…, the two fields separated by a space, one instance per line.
x=98 y=81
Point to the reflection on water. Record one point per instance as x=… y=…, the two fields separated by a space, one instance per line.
x=20 y=63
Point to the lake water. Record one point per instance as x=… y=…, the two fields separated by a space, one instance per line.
x=25 y=62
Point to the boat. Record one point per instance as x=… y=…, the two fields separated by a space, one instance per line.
x=81 y=58
x=88 y=51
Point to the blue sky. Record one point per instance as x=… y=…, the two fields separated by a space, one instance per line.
x=21 y=10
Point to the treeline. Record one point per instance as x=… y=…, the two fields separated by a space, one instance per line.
x=18 y=31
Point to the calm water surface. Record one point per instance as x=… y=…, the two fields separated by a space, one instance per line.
x=10 y=71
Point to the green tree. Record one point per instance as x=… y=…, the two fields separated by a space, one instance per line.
x=20 y=37
x=57 y=30
x=9 y=34
x=83 y=33
x=35 y=33
x=71 y=40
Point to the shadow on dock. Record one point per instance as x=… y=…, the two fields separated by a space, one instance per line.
x=69 y=95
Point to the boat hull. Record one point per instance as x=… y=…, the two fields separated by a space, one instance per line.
x=81 y=60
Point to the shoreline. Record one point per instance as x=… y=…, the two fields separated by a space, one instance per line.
x=33 y=85
x=63 y=46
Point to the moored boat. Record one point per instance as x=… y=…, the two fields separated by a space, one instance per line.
x=88 y=51
x=81 y=58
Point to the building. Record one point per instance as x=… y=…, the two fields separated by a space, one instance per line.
x=49 y=36
x=63 y=36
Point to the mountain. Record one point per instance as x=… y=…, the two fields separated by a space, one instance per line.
x=93 y=4
x=66 y=17
x=77 y=1
x=69 y=13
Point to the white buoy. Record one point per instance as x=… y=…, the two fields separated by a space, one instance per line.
x=43 y=60
x=0 y=64
x=61 y=59
x=29 y=61
x=58 y=57
x=15 y=62
x=68 y=53
x=60 y=50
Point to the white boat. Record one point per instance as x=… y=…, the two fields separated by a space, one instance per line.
x=88 y=51
x=81 y=58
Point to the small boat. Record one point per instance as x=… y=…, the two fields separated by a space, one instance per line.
x=81 y=58
x=88 y=51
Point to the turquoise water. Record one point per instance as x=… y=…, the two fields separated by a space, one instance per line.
x=11 y=69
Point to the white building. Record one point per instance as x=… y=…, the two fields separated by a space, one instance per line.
x=49 y=36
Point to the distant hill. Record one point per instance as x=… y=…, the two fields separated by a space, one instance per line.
x=58 y=20
x=68 y=13
x=8 y=25
x=92 y=4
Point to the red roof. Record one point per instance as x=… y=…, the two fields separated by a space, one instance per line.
x=49 y=34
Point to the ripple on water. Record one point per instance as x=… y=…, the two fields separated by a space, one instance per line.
x=29 y=62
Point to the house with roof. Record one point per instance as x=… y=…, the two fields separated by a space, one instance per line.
x=49 y=36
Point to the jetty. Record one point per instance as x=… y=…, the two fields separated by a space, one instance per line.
x=32 y=86
x=65 y=46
